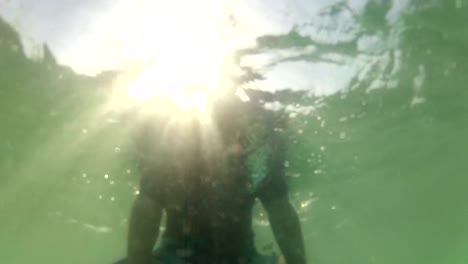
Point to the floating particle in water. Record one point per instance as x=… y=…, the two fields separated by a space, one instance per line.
x=286 y=164
x=333 y=207
x=100 y=197
x=129 y=171
x=137 y=192
x=112 y=198
x=106 y=176
x=417 y=100
x=111 y=182
x=84 y=131
x=322 y=148
x=458 y=3
x=447 y=72
x=419 y=79
x=306 y=203
x=84 y=175
x=300 y=131
x=342 y=135
x=296 y=175
x=88 y=182
x=117 y=150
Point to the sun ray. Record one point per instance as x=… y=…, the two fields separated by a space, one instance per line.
x=185 y=55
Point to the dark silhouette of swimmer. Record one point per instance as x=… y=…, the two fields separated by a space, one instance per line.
x=205 y=174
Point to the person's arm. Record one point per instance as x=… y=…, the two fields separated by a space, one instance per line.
x=273 y=194
x=144 y=229
x=286 y=229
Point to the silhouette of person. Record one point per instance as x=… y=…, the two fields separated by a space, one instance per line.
x=205 y=174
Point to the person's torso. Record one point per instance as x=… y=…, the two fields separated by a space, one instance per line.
x=207 y=174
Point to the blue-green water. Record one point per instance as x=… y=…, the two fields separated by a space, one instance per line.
x=377 y=158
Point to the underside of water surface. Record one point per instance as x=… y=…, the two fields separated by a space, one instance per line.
x=377 y=119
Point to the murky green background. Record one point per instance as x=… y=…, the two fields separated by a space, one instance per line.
x=377 y=170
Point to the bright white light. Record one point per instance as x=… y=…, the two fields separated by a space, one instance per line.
x=183 y=49
x=184 y=88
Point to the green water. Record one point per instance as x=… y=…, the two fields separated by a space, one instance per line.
x=377 y=170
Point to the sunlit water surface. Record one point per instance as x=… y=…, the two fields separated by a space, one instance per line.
x=378 y=119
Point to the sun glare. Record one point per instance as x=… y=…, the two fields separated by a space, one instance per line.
x=187 y=53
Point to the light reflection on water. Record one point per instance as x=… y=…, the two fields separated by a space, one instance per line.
x=377 y=136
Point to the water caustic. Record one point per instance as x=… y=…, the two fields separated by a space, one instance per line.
x=373 y=92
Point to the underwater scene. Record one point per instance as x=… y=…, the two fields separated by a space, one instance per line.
x=371 y=94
